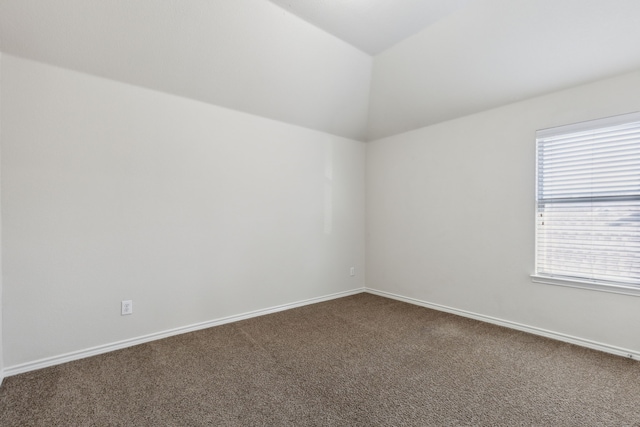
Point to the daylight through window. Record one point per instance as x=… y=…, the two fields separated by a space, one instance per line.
x=588 y=202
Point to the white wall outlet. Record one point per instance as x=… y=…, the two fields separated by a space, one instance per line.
x=352 y=271
x=127 y=307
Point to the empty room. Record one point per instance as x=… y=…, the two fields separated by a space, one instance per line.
x=319 y=213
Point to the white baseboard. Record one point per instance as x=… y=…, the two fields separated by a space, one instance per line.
x=513 y=325
x=93 y=351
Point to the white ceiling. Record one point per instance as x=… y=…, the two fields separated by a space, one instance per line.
x=247 y=55
x=371 y=25
x=495 y=52
x=264 y=57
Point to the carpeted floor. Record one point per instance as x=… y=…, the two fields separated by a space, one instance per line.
x=356 y=361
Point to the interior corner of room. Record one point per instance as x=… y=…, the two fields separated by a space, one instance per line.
x=280 y=166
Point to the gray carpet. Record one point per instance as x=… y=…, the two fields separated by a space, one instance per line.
x=356 y=361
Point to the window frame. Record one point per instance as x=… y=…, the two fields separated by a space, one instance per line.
x=582 y=283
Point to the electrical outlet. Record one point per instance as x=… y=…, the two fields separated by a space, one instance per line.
x=127 y=307
x=352 y=271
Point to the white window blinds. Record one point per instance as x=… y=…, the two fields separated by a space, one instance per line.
x=588 y=201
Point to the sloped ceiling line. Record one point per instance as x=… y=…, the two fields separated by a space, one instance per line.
x=310 y=63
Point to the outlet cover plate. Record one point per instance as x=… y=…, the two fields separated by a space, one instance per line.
x=127 y=307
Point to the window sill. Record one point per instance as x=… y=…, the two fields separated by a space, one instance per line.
x=584 y=284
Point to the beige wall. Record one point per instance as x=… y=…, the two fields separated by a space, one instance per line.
x=450 y=217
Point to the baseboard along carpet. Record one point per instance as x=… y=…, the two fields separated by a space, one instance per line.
x=361 y=360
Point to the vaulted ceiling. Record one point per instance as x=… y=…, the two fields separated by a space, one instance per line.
x=362 y=69
x=372 y=25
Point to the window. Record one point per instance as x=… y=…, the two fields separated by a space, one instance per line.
x=588 y=205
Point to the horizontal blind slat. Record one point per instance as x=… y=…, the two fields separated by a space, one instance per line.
x=588 y=201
